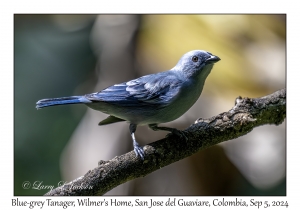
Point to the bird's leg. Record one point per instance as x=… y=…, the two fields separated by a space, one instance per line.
x=137 y=148
x=172 y=130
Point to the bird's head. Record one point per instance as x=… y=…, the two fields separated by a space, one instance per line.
x=196 y=62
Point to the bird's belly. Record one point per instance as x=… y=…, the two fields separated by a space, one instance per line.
x=174 y=110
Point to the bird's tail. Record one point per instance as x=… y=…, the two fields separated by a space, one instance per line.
x=61 y=101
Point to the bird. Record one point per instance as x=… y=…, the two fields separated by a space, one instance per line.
x=151 y=99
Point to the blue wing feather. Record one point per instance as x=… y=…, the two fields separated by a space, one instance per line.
x=157 y=89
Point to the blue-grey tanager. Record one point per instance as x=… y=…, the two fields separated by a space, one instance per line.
x=151 y=99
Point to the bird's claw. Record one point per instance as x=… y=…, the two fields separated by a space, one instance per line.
x=139 y=152
x=179 y=133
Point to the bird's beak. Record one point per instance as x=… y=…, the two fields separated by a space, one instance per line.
x=212 y=59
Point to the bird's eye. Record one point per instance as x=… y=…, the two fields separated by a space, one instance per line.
x=194 y=58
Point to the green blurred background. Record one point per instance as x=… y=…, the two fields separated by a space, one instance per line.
x=64 y=55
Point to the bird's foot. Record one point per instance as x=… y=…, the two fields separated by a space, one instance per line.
x=138 y=150
x=178 y=133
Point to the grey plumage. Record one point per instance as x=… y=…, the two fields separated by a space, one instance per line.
x=151 y=99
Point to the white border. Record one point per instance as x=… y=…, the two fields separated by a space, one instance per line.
x=8 y=8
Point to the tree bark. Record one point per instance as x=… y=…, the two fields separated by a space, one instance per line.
x=247 y=114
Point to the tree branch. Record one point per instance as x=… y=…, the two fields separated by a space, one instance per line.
x=241 y=119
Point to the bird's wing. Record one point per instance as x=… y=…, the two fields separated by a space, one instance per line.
x=156 y=89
